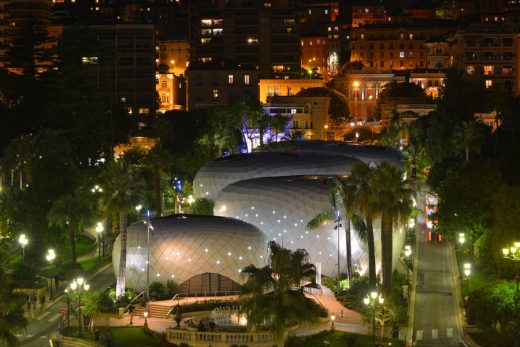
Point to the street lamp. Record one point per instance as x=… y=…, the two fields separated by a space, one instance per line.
x=337 y=227
x=51 y=255
x=513 y=253
x=79 y=285
x=23 y=240
x=332 y=319
x=467 y=272
x=99 y=231
x=411 y=223
x=462 y=238
x=68 y=306
x=149 y=227
x=372 y=300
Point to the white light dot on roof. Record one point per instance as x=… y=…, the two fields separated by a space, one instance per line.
x=218 y=262
x=278 y=221
x=328 y=237
x=249 y=247
x=284 y=217
x=330 y=255
x=206 y=250
x=189 y=260
x=301 y=237
x=252 y=207
x=173 y=276
x=306 y=232
x=262 y=257
x=295 y=224
x=201 y=185
x=274 y=238
x=229 y=254
x=292 y=242
x=239 y=270
x=240 y=258
x=274 y=212
x=247 y=215
x=301 y=220
x=237 y=217
x=320 y=253
x=138 y=247
x=178 y=253
x=317 y=236
x=207 y=193
x=261 y=223
x=158 y=275
x=146 y=262
x=256 y=215
x=142 y=270
x=167 y=258
x=279 y=234
x=284 y=230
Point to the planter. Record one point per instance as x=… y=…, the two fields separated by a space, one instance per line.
x=120 y=312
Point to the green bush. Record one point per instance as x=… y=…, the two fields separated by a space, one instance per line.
x=24 y=275
x=203 y=206
x=70 y=270
x=172 y=288
x=157 y=290
x=207 y=305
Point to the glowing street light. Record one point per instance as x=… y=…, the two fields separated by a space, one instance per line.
x=513 y=253
x=23 y=241
x=99 y=231
x=332 y=319
x=79 y=285
x=50 y=256
x=372 y=300
x=462 y=238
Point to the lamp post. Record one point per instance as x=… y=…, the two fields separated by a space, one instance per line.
x=372 y=300
x=407 y=253
x=79 y=285
x=99 y=231
x=337 y=227
x=145 y=319
x=68 y=306
x=148 y=228
x=513 y=253
x=23 y=240
x=332 y=319
x=51 y=255
x=467 y=272
x=462 y=239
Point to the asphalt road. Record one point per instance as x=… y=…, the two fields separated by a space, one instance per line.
x=436 y=322
x=39 y=329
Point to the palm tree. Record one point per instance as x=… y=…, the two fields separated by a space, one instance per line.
x=122 y=191
x=12 y=319
x=336 y=192
x=358 y=192
x=70 y=211
x=393 y=202
x=159 y=161
x=468 y=136
x=274 y=295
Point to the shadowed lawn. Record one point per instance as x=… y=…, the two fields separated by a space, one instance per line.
x=339 y=339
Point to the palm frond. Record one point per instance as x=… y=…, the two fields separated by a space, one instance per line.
x=360 y=227
x=320 y=219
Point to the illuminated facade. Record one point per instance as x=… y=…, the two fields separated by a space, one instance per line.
x=285 y=87
x=201 y=253
x=175 y=54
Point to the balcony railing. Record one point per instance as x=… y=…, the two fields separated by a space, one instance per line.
x=217 y=339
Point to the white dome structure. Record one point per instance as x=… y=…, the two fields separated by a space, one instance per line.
x=201 y=253
x=281 y=207
x=218 y=174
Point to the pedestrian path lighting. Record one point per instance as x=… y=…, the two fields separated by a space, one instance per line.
x=79 y=285
x=411 y=223
x=462 y=238
x=23 y=240
x=68 y=306
x=50 y=256
x=467 y=272
x=513 y=253
x=145 y=319
x=332 y=319
x=372 y=300
x=99 y=231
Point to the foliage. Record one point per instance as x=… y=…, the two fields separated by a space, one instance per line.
x=157 y=291
x=352 y=297
x=24 y=275
x=207 y=305
x=365 y=135
x=172 y=288
x=496 y=302
x=12 y=318
x=398 y=89
x=339 y=111
x=202 y=206
x=70 y=270
x=274 y=295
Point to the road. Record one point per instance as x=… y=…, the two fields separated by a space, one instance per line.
x=39 y=329
x=437 y=313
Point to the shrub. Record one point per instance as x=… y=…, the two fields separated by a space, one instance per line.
x=172 y=288
x=203 y=206
x=157 y=290
x=24 y=275
x=207 y=305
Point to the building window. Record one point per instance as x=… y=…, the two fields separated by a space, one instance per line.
x=507 y=70
x=410 y=36
x=144 y=110
x=470 y=70
x=489 y=83
x=246 y=79
x=123 y=99
x=289 y=91
x=293 y=111
x=270 y=91
x=295 y=124
x=164 y=84
x=214 y=94
x=230 y=79
x=488 y=70
x=401 y=54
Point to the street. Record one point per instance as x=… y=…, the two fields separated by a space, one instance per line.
x=436 y=307
x=40 y=328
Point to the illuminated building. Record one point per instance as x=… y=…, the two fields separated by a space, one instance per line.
x=285 y=87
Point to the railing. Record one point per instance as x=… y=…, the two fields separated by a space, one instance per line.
x=176 y=336
x=134 y=299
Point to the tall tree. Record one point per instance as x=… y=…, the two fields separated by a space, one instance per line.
x=393 y=201
x=359 y=189
x=122 y=191
x=468 y=136
x=274 y=295
x=159 y=161
x=71 y=211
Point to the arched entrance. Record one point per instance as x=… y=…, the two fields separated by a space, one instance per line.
x=209 y=282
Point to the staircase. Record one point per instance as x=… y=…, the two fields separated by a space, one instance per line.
x=155 y=310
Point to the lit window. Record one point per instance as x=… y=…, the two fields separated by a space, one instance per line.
x=401 y=54
x=470 y=70
x=310 y=11
x=230 y=79
x=123 y=99
x=246 y=79
x=293 y=111
x=488 y=70
x=489 y=83
x=410 y=36
x=144 y=110
x=362 y=36
x=214 y=94
x=326 y=11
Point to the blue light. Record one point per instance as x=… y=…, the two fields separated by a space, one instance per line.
x=147 y=213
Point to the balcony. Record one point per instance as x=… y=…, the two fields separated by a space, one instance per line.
x=221 y=339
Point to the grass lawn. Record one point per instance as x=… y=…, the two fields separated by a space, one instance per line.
x=124 y=337
x=339 y=339
x=84 y=245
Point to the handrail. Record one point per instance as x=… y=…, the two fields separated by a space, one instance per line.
x=134 y=299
